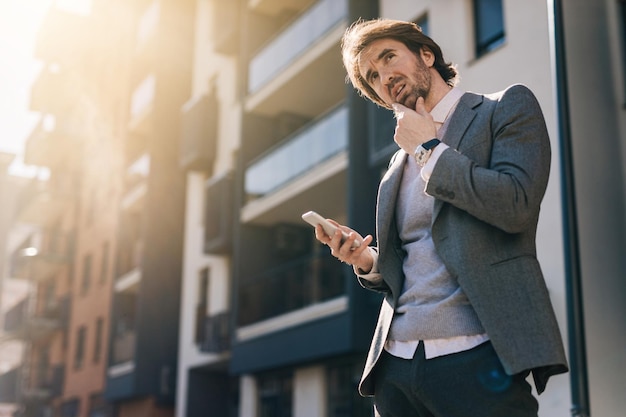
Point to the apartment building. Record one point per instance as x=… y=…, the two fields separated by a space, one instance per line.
x=270 y=325
x=141 y=372
x=169 y=270
x=104 y=257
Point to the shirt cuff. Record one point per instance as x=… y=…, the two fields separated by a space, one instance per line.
x=373 y=275
x=429 y=166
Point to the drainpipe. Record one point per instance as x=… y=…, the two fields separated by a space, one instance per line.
x=575 y=314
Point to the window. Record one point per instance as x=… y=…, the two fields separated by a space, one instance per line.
x=70 y=408
x=104 y=266
x=343 y=397
x=275 y=395
x=202 y=306
x=79 y=355
x=86 y=275
x=98 y=407
x=97 y=349
x=489 y=25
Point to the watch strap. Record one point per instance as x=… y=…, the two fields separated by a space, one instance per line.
x=429 y=144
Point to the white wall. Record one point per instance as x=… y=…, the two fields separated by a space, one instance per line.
x=310 y=392
x=210 y=71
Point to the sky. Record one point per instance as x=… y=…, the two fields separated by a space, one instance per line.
x=19 y=22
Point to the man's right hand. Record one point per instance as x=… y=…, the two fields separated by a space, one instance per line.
x=345 y=252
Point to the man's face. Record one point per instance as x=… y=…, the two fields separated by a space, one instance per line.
x=395 y=73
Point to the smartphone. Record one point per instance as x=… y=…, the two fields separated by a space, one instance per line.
x=314 y=219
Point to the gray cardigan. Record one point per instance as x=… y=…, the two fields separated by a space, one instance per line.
x=488 y=188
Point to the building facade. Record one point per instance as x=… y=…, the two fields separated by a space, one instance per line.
x=168 y=270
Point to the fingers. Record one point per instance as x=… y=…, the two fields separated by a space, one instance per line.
x=345 y=250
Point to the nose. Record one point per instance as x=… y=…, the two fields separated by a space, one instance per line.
x=386 y=77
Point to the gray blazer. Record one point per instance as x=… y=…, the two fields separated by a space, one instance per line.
x=488 y=189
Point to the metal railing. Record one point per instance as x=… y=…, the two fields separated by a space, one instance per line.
x=290 y=287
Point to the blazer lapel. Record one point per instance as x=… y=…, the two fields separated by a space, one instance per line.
x=387 y=194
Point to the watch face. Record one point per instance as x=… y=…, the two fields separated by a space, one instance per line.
x=422 y=155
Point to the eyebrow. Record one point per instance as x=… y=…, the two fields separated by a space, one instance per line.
x=380 y=56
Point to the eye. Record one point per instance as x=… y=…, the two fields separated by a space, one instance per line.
x=374 y=76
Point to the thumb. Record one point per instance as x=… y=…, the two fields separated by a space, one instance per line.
x=419 y=105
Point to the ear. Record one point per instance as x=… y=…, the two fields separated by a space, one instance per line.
x=427 y=56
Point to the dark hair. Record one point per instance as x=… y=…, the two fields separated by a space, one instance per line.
x=363 y=32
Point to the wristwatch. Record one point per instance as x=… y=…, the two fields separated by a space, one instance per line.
x=423 y=152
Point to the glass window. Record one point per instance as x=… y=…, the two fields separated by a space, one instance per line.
x=489 y=25
x=97 y=352
x=275 y=395
x=70 y=408
x=343 y=397
x=202 y=306
x=86 y=274
x=79 y=354
x=104 y=265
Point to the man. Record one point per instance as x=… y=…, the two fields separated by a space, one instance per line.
x=466 y=314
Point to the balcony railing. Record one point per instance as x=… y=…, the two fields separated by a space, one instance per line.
x=298 y=154
x=295 y=40
x=19 y=322
x=290 y=287
x=55 y=142
x=49 y=383
x=42 y=202
x=8 y=386
x=216 y=334
x=199 y=134
x=15 y=317
x=124 y=347
x=43 y=259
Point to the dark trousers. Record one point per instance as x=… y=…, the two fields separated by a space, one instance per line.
x=465 y=384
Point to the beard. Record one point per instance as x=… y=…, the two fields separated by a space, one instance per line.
x=420 y=85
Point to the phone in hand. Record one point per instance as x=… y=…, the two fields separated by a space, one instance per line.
x=314 y=219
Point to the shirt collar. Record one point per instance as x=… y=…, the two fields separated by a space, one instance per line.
x=441 y=111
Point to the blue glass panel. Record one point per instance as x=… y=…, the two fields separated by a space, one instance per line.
x=294 y=40
x=298 y=154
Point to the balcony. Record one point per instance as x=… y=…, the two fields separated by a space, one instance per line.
x=20 y=323
x=48 y=385
x=136 y=184
x=306 y=161
x=63 y=37
x=124 y=337
x=290 y=287
x=277 y=7
x=124 y=346
x=215 y=335
x=55 y=143
x=141 y=106
x=199 y=134
x=45 y=258
x=53 y=91
x=218 y=221
x=8 y=386
x=302 y=61
x=43 y=202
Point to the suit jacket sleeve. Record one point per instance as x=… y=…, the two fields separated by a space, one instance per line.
x=500 y=170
